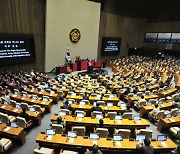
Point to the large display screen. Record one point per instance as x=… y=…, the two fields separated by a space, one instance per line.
x=16 y=48
x=110 y=45
x=175 y=37
x=151 y=37
x=164 y=37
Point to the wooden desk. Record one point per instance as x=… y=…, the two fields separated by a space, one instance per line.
x=36 y=116
x=54 y=97
x=167 y=92
x=30 y=101
x=147 y=97
x=146 y=109
x=109 y=99
x=76 y=97
x=153 y=87
x=13 y=133
x=88 y=107
x=109 y=145
x=88 y=121
x=166 y=123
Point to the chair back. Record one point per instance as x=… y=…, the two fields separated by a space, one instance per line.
x=103 y=132
x=127 y=115
x=58 y=128
x=124 y=132
x=80 y=130
x=21 y=122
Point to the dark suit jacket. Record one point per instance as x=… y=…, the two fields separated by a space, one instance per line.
x=145 y=149
x=67 y=107
x=96 y=108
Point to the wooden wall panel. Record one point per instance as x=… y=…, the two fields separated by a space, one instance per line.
x=25 y=17
x=131 y=30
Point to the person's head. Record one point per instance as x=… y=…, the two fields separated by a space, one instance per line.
x=97 y=104
x=101 y=122
x=156 y=105
x=147 y=142
x=95 y=148
x=59 y=119
x=24 y=110
x=142 y=97
x=66 y=102
x=128 y=107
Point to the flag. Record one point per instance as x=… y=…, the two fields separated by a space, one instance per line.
x=68 y=55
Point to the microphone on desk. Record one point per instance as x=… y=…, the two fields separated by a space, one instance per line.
x=67 y=139
x=114 y=143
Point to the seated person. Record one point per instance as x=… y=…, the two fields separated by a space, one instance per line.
x=96 y=108
x=86 y=96
x=101 y=124
x=95 y=150
x=67 y=105
x=58 y=121
x=146 y=148
x=25 y=115
x=154 y=112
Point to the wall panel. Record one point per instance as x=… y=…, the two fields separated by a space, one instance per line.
x=130 y=30
x=25 y=17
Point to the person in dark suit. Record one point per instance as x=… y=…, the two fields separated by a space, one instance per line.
x=67 y=105
x=25 y=115
x=146 y=148
x=96 y=108
x=101 y=124
x=95 y=150
x=86 y=96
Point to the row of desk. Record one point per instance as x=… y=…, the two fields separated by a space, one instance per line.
x=60 y=141
x=90 y=122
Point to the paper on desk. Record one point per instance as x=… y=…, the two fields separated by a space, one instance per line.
x=43 y=102
x=33 y=100
x=172 y=120
x=49 y=137
x=3 y=106
x=118 y=143
x=71 y=140
x=118 y=121
x=94 y=142
x=6 y=129
x=164 y=144
x=15 y=110
x=80 y=119
x=14 y=95
x=138 y=122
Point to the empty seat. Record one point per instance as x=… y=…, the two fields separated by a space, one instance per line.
x=103 y=132
x=95 y=113
x=5 y=144
x=124 y=132
x=127 y=115
x=130 y=95
x=39 y=108
x=43 y=150
x=139 y=94
x=23 y=123
x=174 y=111
x=111 y=115
x=79 y=112
x=68 y=112
x=13 y=103
x=84 y=102
x=71 y=101
x=25 y=106
x=101 y=103
x=146 y=132
x=80 y=130
x=58 y=128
